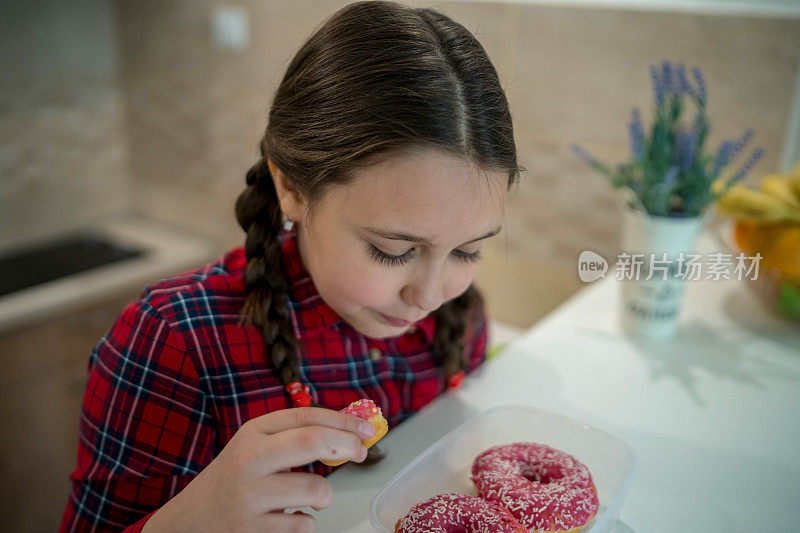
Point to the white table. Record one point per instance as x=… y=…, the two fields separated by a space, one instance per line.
x=713 y=415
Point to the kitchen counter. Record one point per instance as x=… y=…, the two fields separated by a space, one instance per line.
x=166 y=252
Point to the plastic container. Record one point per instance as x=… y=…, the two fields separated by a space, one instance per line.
x=446 y=465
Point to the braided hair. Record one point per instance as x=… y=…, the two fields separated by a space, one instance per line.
x=258 y=213
x=375 y=79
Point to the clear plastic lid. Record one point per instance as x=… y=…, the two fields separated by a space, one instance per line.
x=446 y=466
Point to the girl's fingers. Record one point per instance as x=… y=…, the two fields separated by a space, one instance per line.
x=297 y=489
x=300 y=446
x=284 y=419
x=299 y=522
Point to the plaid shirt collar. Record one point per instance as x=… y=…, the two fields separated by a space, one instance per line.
x=317 y=315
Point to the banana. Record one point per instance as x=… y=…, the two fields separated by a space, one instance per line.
x=778 y=200
x=794 y=181
x=780 y=186
x=743 y=202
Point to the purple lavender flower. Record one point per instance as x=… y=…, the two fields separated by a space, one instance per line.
x=588 y=158
x=670 y=178
x=658 y=85
x=698 y=124
x=673 y=79
x=678 y=144
x=683 y=82
x=637 y=135
x=741 y=143
x=725 y=154
x=591 y=161
x=671 y=171
x=757 y=154
x=728 y=151
x=684 y=150
x=690 y=153
x=666 y=75
x=701 y=85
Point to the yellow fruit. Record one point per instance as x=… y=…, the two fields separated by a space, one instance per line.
x=743 y=202
x=778 y=244
x=780 y=186
x=794 y=181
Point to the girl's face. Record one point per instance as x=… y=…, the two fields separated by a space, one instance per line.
x=401 y=239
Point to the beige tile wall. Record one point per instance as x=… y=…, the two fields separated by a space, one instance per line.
x=63 y=153
x=128 y=106
x=195 y=114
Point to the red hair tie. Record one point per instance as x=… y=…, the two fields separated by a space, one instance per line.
x=454 y=381
x=299 y=394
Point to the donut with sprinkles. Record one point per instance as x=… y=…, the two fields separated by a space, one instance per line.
x=366 y=409
x=547 y=490
x=458 y=512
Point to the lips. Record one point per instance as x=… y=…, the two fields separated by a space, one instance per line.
x=395 y=321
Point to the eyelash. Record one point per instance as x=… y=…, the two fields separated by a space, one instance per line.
x=397 y=260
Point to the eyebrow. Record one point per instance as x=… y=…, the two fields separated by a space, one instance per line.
x=400 y=236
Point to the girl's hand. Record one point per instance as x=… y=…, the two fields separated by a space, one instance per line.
x=248 y=485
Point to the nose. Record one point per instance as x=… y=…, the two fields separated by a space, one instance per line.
x=427 y=290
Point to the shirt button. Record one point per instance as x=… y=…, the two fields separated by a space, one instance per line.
x=375 y=354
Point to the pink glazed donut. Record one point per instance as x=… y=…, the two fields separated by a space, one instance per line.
x=458 y=512
x=546 y=489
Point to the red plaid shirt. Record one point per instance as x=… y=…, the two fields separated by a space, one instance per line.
x=176 y=377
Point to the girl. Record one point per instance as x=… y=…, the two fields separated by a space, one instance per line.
x=384 y=167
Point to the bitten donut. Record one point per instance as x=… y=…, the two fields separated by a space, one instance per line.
x=546 y=489
x=370 y=412
x=458 y=512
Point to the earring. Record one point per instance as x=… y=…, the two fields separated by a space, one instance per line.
x=288 y=225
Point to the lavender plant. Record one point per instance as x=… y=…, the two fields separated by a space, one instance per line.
x=670 y=173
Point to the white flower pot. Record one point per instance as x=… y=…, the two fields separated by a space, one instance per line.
x=651 y=307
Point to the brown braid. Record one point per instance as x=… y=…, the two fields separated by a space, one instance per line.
x=449 y=348
x=259 y=215
x=377 y=78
